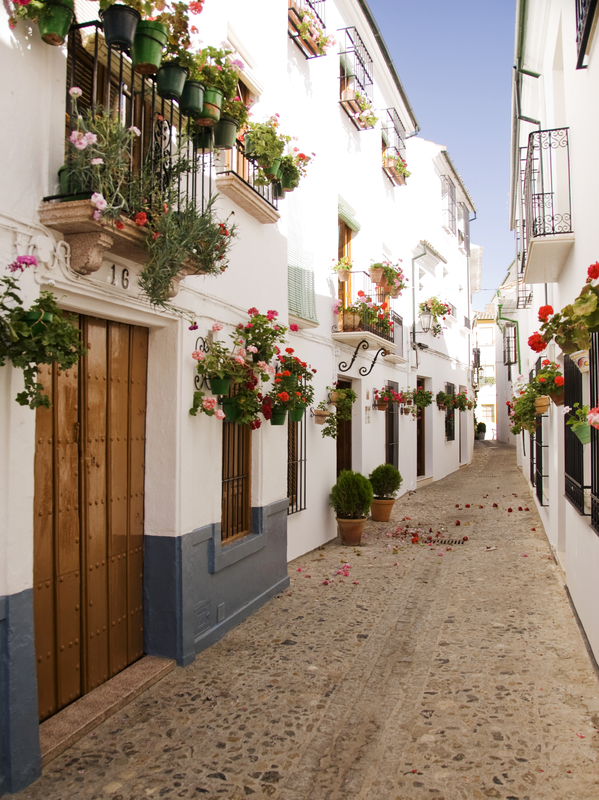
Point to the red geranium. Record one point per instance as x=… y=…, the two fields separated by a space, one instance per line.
x=283 y=397
x=593 y=271
x=544 y=313
x=559 y=380
x=141 y=219
x=536 y=342
x=119 y=225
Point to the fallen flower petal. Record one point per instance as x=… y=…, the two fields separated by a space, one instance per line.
x=509 y=509
x=467 y=505
x=457 y=522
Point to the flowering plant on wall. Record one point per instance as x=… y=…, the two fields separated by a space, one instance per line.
x=387 y=395
x=311 y=30
x=394 y=275
x=300 y=374
x=371 y=313
x=549 y=379
x=522 y=411
x=262 y=334
x=343 y=399
x=365 y=116
x=438 y=309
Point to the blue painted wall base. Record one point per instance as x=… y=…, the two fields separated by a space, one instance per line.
x=196 y=589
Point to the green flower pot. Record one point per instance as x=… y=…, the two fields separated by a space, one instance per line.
x=247 y=146
x=146 y=51
x=272 y=170
x=36 y=320
x=210 y=113
x=203 y=139
x=170 y=80
x=192 y=99
x=225 y=133
x=220 y=385
x=297 y=414
x=583 y=432
x=278 y=416
x=79 y=193
x=120 y=23
x=231 y=409
x=288 y=183
x=277 y=191
x=55 y=23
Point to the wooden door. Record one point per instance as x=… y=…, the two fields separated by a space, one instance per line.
x=88 y=532
x=420 y=437
x=344 y=441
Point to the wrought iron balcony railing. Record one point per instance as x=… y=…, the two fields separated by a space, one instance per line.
x=547 y=184
x=307 y=44
x=350 y=321
x=356 y=71
x=235 y=162
x=585 y=15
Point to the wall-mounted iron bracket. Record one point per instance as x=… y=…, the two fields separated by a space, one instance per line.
x=364 y=371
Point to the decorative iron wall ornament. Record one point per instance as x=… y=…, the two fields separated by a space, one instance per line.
x=364 y=371
x=201 y=380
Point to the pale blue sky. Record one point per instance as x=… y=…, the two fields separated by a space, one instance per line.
x=455 y=60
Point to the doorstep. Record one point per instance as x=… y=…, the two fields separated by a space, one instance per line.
x=424 y=481
x=73 y=722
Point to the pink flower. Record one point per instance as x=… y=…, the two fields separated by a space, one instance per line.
x=252 y=312
x=239 y=359
x=219 y=414
x=99 y=201
x=97 y=161
x=21 y=262
x=217 y=327
x=593 y=417
x=293 y=327
x=238 y=65
x=252 y=349
x=241 y=351
x=270 y=315
x=199 y=355
x=91 y=138
x=135 y=130
x=208 y=403
x=74 y=91
x=97 y=214
x=79 y=140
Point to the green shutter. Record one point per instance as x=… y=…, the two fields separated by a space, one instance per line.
x=301 y=298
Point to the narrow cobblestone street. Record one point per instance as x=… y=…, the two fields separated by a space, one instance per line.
x=439 y=671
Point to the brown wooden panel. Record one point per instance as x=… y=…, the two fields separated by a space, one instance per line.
x=137 y=432
x=68 y=602
x=95 y=517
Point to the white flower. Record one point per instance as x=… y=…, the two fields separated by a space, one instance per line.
x=135 y=130
x=97 y=161
x=75 y=91
x=565 y=410
x=51 y=282
x=79 y=140
x=91 y=138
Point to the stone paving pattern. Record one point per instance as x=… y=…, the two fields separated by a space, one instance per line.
x=426 y=671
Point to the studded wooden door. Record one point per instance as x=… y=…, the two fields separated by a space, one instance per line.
x=88 y=532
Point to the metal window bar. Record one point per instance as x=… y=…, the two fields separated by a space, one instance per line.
x=539 y=475
x=449 y=204
x=107 y=79
x=531 y=456
x=573 y=447
x=296 y=466
x=547 y=183
x=594 y=381
x=524 y=295
x=356 y=62
x=393 y=134
x=235 y=162
x=352 y=321
x=585 y=14
x=236 y=456
x=450 y=415
x=294 y=18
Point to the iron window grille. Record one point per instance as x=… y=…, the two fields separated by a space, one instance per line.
x=398 y=334
x=574 y=466
x=449 y=204
x=594 y=380
x=524 y=299
x=392 y=429
x=356 y=71
x=294 y=20
x=539 y=475
x=296 y=466
x=510 y=348
x=531 y=456
x=236 y=498
x=547 y=184
x=393 y=139
x=521 y=227
x=585 y=16
x=476 y=358
x=450 y=415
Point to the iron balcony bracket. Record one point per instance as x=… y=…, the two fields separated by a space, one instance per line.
x=201 y=380
x=364 y=371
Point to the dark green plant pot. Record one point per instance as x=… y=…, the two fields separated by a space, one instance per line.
x=78 y=192
x=56 y=22
x=170 y=80
x=260 y=357
x=220 y=386
x=297 y=414
x=36 y=320
x=146 y=51
x=272 y=170
x=278 y=416
x=120 y=23
x=231 y=409
x=225 y=133
x=277 y=190
x=247 y=146
x=210 y=113
x=203 y=139
x=192 y=99
x=288 y=183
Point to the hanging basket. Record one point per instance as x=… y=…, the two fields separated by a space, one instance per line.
x=146 y=52
x=583 y=432
x=225 y=133
x=297 y=414
x=581 y=359
x=36 y=320
x=320 y=416
x=376 y=274
x=120 y=25
x=278 y=416
x=56 y=21
x=542 y=404
x=557 y=397
x=192 y=99
x=220 y=386
x=288 y=183
x=382 y=405
x=231 y=409
x=171 y=80
x=210 y=113
x=343 y=275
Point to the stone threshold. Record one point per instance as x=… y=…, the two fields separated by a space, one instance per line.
x=73 y=722
x=424 y=481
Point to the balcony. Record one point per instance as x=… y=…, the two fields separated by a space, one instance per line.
x=308 y=43
x=356 y=71
x=397 y=356
x=585 y=24
x=237 y=177
x=352 y=328
x=394 y=148
x=547 y=206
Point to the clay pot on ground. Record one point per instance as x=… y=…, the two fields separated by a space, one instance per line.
x=381 y=508
x=351 y=530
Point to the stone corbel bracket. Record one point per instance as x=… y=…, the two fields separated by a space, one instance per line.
x=87 y=250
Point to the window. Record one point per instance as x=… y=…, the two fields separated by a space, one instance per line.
x=449 y=204
x=296 y=466
x=308 y=44
x=487 y=413
x=355 y=79
x=585 y=15
x=300 y=293
x=450 y=416
x=538 y=445
x=573 y=447
x=398 y=334
x=344 y=250
x=236 y=498
x=464 y=226
x=392 y=429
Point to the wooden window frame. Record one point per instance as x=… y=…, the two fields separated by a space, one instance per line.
x=235 y=437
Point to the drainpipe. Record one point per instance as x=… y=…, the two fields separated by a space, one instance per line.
x=515 y=322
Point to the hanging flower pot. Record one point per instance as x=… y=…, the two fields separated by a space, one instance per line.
x=146 y=52
x=225 y=133
x=36 y=320
x=382 y=405
x=277 y=191
x=395 y=293
x=210 y=113
x=288 y=184
x=171 y=80
x=203 y=139
x=581 y=359
x=272 y=170
x=54 y=24
x=542 y=404
x=278 y=416
x=557 y=397
x=120 y=24
x=248 y=148
x=192 y=99
x=231 y=409
x=376 y=274
x=320 y=416
x=583 y=432
x=384 y=284
x=335 y=397
x=220 y=386
x=297 y=414
x=343 y=275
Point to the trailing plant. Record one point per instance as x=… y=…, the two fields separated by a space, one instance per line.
x=301 y=375
x=267 y=144
x=218 y=362
x=262 y=334
x=311 y=30
x=461 y=401
x=50 y=337
x=386 y=481
x=236 y=109
x=366 y=116
x=522 y=411
x=175 y=18
x=289 y=169
x=344 y=403
x=387 y=395
x=217 y=68
x=394 y=275
x=422 y=398
x=351 y=496
x=443 y=399
x=344 y=263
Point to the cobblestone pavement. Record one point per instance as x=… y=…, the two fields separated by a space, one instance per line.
x=442 y=671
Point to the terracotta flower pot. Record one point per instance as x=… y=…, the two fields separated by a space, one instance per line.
x=381 y=508
x=542 y=404
x=376 y=274
x=335 y=397
x=343 y=275
x=557 y=397
x=320 y=416
x=351 y=321
x=351 y=530
x=382 y=405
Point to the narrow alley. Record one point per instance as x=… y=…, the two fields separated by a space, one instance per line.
x=395 y=671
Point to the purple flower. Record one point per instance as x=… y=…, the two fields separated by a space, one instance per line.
x=21 y=262
x=193 y=327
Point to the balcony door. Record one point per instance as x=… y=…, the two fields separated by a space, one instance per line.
x=344 y=438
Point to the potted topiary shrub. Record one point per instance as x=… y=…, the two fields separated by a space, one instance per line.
x=481 y=429
x=385 y=480
x=351 y=497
